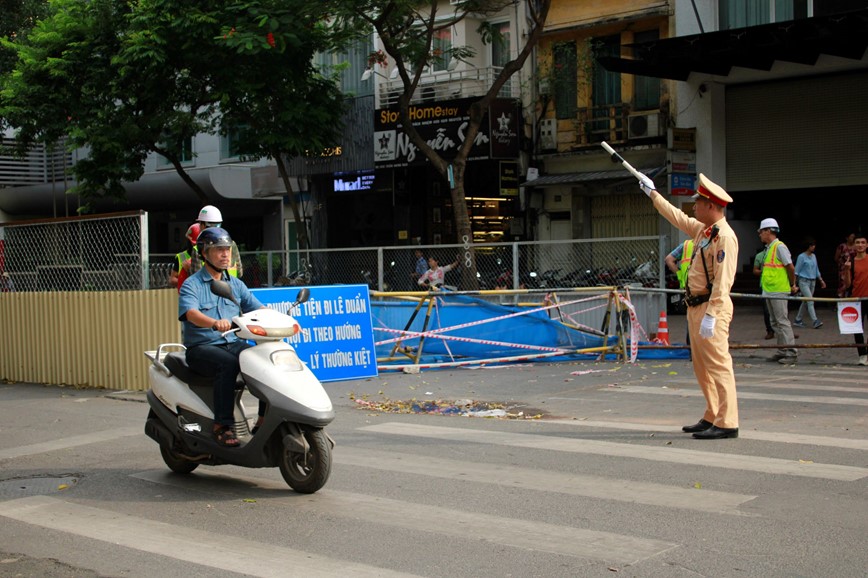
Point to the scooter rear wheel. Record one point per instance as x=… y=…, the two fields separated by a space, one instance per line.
x=307 y=472
x=175 y=462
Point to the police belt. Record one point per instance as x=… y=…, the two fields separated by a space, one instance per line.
x=696 y=300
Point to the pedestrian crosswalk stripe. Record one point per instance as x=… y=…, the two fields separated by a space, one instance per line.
x=71 y=442
x=511 y=532
x=744 y=395
x=565 y=483
x=789 y=438
x=773 y=383
x=211 y=549
x=802 y=376
x=658 y=453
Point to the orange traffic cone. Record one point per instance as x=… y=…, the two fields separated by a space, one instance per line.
x=663 y=329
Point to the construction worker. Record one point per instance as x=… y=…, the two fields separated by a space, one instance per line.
x=210 y=216
x=678 y=261
x=184 y=259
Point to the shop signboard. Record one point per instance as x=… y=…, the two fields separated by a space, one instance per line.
x=682 y=184
x=508 y=179
x=444 y=126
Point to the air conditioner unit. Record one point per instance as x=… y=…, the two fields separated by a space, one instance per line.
x=643 y=125
x=548 y=134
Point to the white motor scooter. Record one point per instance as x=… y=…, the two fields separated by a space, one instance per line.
x=291 y=436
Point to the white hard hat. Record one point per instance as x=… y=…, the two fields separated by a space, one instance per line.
x=210 y=214
x=769 y=224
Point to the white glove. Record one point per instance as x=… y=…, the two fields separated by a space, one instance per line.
x=706 y=328
x=647 y=185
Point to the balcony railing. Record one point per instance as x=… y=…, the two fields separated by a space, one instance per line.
x=450 y=85
x=602 y=123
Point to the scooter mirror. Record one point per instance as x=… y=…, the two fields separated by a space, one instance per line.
x=222 y=289
x=303 y=295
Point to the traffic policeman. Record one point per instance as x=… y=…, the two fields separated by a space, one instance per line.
x=709 y=280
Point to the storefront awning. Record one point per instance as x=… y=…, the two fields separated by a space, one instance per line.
x=584 y=177
x=757 y=47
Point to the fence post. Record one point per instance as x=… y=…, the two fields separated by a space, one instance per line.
x=380 y=269
x=143 y=250
x=269 y=277
x=663 y=244
x=515 y=272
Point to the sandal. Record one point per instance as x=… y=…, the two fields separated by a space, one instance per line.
x=257 y=425
x=226 y=437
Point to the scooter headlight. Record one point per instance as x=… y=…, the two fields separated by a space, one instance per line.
x=287 y=360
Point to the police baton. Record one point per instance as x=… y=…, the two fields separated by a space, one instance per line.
x=616 y=158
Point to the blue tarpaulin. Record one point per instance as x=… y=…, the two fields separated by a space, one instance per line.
x=508 y=335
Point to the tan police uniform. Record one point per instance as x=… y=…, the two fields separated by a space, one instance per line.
x=712 y=362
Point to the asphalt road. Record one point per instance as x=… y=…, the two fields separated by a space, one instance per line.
x=602 y=482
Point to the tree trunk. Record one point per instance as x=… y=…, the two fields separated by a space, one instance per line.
x=301 y=226
x=467 y=256
x=203 y=198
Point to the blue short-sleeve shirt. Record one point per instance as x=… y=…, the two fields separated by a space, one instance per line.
x=196 y=294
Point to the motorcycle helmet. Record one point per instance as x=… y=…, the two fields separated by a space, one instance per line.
x=211 y=216
x=193 y=232
x=213 y=237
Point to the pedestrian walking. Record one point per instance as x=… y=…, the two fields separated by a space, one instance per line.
x=807 y=277
x=843 y=252
x=856 y=284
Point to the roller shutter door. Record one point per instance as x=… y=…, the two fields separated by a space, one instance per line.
x=807 y=132
x=623 y=216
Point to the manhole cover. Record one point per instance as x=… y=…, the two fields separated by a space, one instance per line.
x=37 y=485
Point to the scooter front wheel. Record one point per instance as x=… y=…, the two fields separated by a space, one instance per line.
x=175 y=462
x=307 y=472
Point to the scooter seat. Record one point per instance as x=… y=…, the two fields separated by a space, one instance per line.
x=176 y=362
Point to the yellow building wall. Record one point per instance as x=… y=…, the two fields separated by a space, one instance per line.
x=85 y=339
x=582 y=13
x=581 y=21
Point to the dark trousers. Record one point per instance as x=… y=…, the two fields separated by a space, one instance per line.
x=766 y=318
x=859 y=338
x=220 y=362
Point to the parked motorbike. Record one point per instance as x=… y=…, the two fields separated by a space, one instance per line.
x=291 y=436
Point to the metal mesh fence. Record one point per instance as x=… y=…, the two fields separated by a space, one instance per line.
x=94 y=253
x=109 y=252
x=539 y=265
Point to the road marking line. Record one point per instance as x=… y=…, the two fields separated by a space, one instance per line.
x=743 y=395
x=211 y=549
x=612 y=449
x=826 y=377
x=571 y=484
x=524 y=534
x=71 y=442
x=771 y=384
x=788 y=438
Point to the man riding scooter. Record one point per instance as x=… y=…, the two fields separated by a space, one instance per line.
x=206 y=317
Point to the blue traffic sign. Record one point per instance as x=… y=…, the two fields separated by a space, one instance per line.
x=336 y=339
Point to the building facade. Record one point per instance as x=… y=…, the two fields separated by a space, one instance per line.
x=765 y=97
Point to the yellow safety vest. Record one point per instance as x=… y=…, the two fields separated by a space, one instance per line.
x=774 y=277
x=684 y=264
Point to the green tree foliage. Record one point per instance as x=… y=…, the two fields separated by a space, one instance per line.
x=407 y=29
x=124 y=79
x=285 y=107
x=17 y=17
